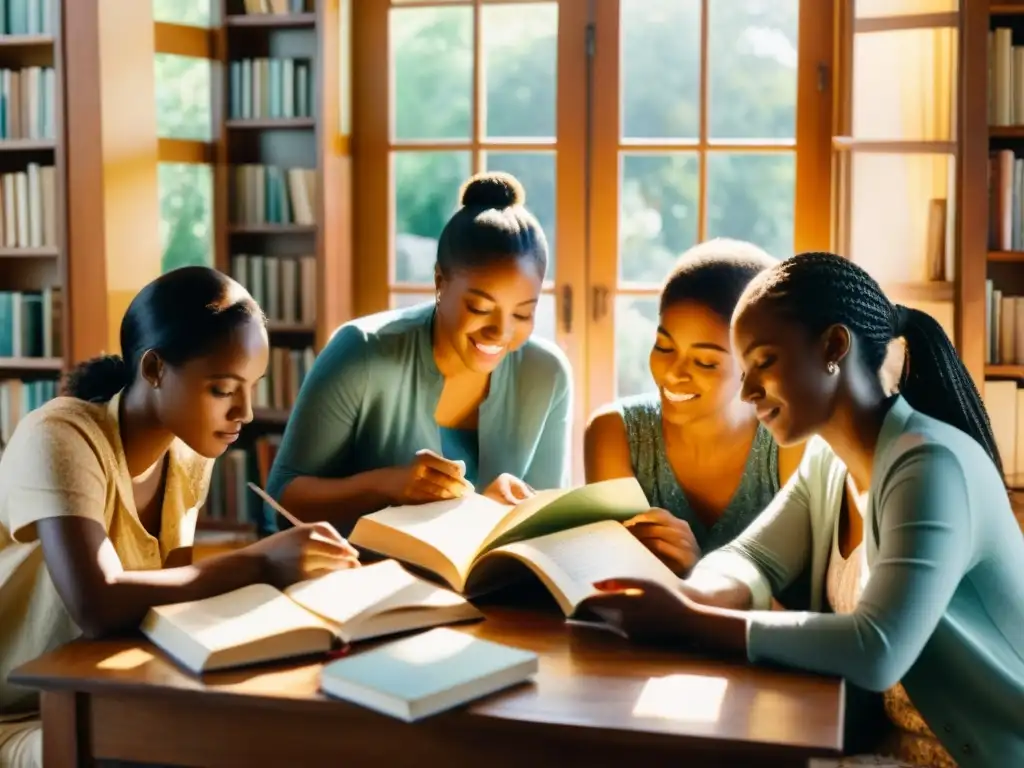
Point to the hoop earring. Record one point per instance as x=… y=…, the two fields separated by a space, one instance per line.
x=832 y=368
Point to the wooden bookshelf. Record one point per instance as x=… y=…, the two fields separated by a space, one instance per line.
x=33 y=235
x=295 y=124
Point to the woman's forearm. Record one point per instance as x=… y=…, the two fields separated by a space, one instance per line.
x=339 y=501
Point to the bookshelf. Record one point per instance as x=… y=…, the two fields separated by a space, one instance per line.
x=282 y=219
x=33 y=256
x=992 y=313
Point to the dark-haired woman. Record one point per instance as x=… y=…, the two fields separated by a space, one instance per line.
x=99 y=489
x=705 y=464
x=422 y=404
x=898 y=508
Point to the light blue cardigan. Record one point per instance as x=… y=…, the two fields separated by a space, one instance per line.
x=943 y=608
x=369 y=402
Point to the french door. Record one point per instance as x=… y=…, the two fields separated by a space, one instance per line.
x=637 y=127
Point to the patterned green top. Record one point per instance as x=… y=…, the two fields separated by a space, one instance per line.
x=758 y=486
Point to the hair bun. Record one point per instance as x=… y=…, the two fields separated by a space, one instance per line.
x=493 y=189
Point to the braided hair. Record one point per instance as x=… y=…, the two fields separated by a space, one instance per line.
x=818 y=290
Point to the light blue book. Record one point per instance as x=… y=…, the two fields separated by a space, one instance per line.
x=425 y=674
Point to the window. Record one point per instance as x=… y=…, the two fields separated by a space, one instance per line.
x=637 y=127
x=186 y=215
x=511 y=129
x=183 y=103
x=196 y=13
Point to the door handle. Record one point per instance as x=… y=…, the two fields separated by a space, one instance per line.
x=600 y=307
x=567 y=308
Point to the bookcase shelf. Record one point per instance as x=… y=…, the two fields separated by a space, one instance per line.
x=26 y=41
x=31 y=364
x=1006 y=9
x=281 y=224
x=33 y=238
x=270 y=20
x=27 y=145
x=271 y=123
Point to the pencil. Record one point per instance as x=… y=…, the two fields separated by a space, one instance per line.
x=274 y=505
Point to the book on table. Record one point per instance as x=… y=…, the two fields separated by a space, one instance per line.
x=260 y=623
x=568 y=538
x=428 y=673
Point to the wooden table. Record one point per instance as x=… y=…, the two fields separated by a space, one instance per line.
x=596 y=700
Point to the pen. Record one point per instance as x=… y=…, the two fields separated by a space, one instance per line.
x=274 y=505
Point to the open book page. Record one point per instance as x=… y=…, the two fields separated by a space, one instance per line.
x=443 y=536
x=618 y=499
x=570 y=561
x=346 y=596
x=235 y=618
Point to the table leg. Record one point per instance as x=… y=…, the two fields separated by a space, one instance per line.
x=66 y=742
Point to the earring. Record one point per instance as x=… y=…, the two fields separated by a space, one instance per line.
x=832 y=368
x=437 y=299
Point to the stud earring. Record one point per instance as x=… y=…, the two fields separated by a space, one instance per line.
x=832 y=368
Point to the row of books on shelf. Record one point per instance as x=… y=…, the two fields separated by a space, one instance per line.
x=285 y=286
x=1004 y=401
x=26 y=103
x=30 y=323
x=277 y=6
x=269 y=194
x=28 y=207
x=287 y=370
x=18 y=398
x=230 y=500
x=26 y=17
x=270 y=87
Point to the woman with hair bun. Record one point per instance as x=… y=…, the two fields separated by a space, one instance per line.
x=425 y=403
x=100 y=488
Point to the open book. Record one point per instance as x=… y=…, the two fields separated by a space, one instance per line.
x=258 y=623
x=569 y=539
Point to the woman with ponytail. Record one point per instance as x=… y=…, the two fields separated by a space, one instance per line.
x=898 y=511
x=100 y=488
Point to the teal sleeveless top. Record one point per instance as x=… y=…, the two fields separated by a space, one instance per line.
x=758 y=486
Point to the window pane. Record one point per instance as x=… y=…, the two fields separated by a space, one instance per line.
x=426 y=189
x=186 y=214
x=752 y=69
x=432 y=55
x=536 y=172
x=904 y=85
x=657 y=213
x=183 y=104
x=660 y=50
x=751 y=197
x=520 y=44
x=892 y=213
x=193 y=12
x=636 y=325
x=873 y=8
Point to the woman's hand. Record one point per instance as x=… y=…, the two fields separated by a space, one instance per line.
x=508 y=489
x=428 y=478
x=668 y=537
x=304 y=552
x=648 y=610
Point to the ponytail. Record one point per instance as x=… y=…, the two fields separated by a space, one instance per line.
x=935 y=381
x=820 y=289
x=97 y=380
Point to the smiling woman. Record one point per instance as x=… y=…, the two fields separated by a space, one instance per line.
x=706 y=466
x=428 y=402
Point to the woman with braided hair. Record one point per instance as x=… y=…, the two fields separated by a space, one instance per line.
x=898 y=510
